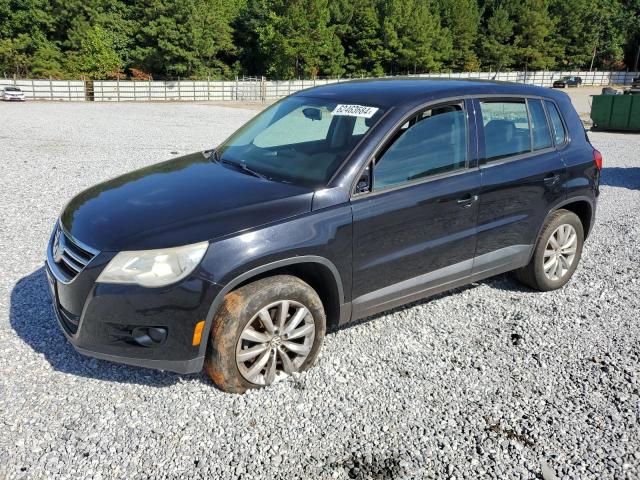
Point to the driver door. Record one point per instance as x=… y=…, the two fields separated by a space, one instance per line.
x=414 y=227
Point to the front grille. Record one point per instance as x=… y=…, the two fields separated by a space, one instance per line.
x=70 y=257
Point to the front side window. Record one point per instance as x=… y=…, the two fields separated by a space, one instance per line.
x=558 y=127
x=431 y=143
x=299 y=140
x=506 y=128
x=539 y=125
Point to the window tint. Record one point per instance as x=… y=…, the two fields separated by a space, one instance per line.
x=361 y=126
x=558 y=128
x=433 y=142
x=299 y=140
x=295 y=128
x=506 y=128
x=539 y=125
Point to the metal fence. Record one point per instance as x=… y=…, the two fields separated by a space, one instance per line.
x=544 y=78
x=257 y=88
x=66 y=90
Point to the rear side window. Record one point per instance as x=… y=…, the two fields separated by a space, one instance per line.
x=539 y=126
x=559 y=132
x=432 y=142
x=506 y=128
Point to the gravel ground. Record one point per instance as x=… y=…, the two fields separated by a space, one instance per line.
x=488 y=381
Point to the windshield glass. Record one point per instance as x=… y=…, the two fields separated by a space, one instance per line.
x=11 y=89
x=300 y=140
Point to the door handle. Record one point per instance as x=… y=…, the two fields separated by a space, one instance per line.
x=467 y=201
x=551 y=179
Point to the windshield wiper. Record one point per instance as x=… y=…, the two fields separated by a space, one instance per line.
x=241 y=166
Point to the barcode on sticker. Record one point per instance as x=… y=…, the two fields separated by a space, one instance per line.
x=354 y=111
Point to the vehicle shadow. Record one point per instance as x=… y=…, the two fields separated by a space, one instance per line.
x=621 y=177
x=32 y=318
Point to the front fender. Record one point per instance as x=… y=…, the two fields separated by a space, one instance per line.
x=322 y=236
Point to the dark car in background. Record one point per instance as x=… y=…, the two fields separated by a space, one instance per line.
x=332 y=205
x=565 y=82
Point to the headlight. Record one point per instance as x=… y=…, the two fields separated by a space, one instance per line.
x=154 y=268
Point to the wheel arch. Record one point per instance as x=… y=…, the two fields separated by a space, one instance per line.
x=319 y=272
x=583 y=209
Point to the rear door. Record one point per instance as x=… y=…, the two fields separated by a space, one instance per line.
x=414 y=219
x=522 y=177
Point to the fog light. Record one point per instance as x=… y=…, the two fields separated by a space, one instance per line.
x=149 y=336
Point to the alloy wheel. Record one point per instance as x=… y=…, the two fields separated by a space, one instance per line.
x=275 y=342
x=560 y=252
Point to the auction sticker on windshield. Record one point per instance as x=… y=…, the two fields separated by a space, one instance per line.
x=354 y=111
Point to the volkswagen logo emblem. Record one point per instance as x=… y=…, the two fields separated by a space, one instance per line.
x=57 y=249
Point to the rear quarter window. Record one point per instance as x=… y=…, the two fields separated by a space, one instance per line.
x=559 y=132
x=539 y=126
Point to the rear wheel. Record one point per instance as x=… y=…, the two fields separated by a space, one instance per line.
x=263 y=332
x=556 y=254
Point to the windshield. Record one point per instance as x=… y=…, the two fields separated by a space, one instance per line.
x=300 y=140
x=11 y=89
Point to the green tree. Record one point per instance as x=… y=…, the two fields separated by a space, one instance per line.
x=413 y=38
x=591 y=30
x=184 y=39
x=357 y=26
x=632 y=34
x=97 y=57
x=534 y=40
x=24 y=45
x=293 y=38
x=46 y=59
x=610 y=22
x=496 y=47
x=462 y=19
x=14 y=56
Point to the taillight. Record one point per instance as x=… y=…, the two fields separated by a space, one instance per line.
x=597 y=158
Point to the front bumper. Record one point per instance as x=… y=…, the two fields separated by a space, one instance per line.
x=14 y=99
x=101 y=320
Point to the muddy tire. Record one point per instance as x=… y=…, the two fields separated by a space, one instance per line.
x=263 y=332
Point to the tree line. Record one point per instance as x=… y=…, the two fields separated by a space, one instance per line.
x=283 y=39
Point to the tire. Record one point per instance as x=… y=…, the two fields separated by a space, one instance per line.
x=249 y=348
x=557 y=274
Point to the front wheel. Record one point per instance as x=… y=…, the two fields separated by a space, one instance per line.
x=556 y=254
x=263 y=332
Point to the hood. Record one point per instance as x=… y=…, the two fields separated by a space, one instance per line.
x=178 y=202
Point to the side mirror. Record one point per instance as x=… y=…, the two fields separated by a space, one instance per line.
x=312 y=113
x=364 y=183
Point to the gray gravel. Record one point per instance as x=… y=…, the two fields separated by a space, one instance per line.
x=489 y=381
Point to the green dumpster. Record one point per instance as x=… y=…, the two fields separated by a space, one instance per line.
x=616 y=112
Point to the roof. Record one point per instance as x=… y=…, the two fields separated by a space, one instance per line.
x=387 y=92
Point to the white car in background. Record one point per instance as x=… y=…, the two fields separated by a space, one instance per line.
x=12 y=93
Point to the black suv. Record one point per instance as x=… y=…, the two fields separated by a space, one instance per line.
x=333 y=204
x=566 y=82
